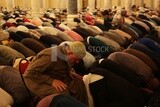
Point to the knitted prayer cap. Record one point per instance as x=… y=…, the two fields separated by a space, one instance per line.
x=78 y=48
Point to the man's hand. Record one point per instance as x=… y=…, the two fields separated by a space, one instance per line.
x=73 y=74
x=59 y=85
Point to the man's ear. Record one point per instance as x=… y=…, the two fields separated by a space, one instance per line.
x=65 y=44
x=67 y=48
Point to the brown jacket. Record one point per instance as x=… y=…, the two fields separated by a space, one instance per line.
x=50 y=64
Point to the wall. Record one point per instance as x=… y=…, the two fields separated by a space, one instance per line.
x=18 y=3
x=3 y=3
x=52 y=3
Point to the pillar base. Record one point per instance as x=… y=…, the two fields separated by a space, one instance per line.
x=35 y=14
x=70 y=23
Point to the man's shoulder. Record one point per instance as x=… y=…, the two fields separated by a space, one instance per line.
x=49 y=50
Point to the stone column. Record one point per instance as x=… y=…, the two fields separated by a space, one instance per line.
x=53 y=4
x=72 y=7
x=157 y=5
x=141 y=3
x=9 y=4
x=35 y=8
x=25 y=4
x=134 y=2
x=98 y=6
x=13 y=4
x=65 y=4
x=57 y=3
x=151 y=4
x=80 y=5
x=72 y=13
x=45 y=4
x=62 y=4
x=102 y=5
x=118 y=3
x=107 y=4
x=42 y=3
x=128 y=6
x=91 y=4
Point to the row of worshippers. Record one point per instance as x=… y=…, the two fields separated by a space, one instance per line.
x=129 y=82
